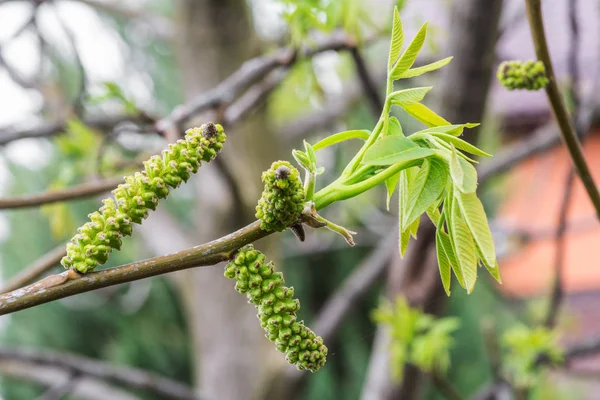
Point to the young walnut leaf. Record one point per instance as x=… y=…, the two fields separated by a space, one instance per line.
x=474 y=215
x=405 y=183
x=443 y=262
x=408 y=97
x=445 y=243
x=410 y=54
x=461 y=144
x=427 y=188
x=397 y=40
x=394 y=149
x=425 y=115
x=463 y=173
x=394 y=127
x=413 y=72
x=464 y=248
x=433 y=212
x=390 y=186
x=341 y=137
x=454 y=130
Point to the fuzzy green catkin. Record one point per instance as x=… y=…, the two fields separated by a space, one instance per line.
x=277 y=309
x=282 y=199
x=141 y=192
x=528 y=75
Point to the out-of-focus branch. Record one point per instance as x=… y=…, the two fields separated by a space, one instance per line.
x=61 y=389
x=39 y=267
x=81 y=93
x=70 y=283
x=49 y=376
x=250 y=72
x=103 y=123
x=557 y=295
x=368 y=83
x=161 y=27
x=131 y=378
x=53 y=196
x=341 y=302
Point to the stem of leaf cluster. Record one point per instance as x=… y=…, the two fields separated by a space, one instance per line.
x=351 y=167
x=534 y=15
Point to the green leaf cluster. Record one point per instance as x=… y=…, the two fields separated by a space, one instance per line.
x=303 y=16
x=523 y=348
x=416 y=337
x=432 y=170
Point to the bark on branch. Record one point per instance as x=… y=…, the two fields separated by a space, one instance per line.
x=70 y=283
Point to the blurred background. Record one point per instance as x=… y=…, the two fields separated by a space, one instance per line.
x=90 y=88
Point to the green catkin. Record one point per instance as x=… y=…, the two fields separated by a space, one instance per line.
x=528 y=75
x=141 y=192
x=277 y=309
x=282 y=199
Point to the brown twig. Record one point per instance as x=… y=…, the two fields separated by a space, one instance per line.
x=124 y=376
x=39 y=267
x=70 y=283
x=444 y=386
x=534 y=15
x=249 y=73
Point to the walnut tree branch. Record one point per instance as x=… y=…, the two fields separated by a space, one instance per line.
x=70 y=283
x=534 y=15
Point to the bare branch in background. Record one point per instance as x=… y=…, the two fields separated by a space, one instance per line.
x=50 y=376
x=251 y=72
x=38 y=268
x=53 y=196
x=61 y=389
x=161 y=27
x=370 y=89
x=131 y=378
x=78 y=101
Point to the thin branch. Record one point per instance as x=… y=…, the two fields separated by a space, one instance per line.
x=70 y=283
x=161 y=27
x=249 y=73
x=81 y=366
x=60 y=390
x=557 y=295
x=103 y=123
x=81 y=93
x=534 y=14
x=444 y=386
x=53 y=196
x=368 y=83
x=39 y=267
x=364 y=276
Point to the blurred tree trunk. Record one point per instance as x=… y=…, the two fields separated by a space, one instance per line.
x=215 y=37
x=464 y=88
